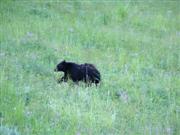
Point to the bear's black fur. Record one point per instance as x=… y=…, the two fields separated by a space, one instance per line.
x=84 y=72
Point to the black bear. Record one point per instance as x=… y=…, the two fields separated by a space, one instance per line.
x=83 y=72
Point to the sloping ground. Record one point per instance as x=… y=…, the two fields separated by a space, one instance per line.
x=135 y=45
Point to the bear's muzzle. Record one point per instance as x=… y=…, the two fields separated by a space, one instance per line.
x=55 y=70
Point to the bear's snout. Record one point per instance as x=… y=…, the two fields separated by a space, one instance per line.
x=55 y=70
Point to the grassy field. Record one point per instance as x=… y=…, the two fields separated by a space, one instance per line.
x=135 y=45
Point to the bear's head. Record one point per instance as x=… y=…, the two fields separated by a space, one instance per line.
x=61 y=66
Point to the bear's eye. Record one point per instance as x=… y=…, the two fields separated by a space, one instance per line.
x=60 y=66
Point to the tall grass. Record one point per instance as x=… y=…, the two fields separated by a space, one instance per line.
x=135 y=45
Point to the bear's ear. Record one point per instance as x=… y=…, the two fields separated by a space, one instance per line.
x=64 y=61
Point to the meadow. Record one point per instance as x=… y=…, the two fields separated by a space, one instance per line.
x=134 y=44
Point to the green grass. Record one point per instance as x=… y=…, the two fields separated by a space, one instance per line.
x=135 y=45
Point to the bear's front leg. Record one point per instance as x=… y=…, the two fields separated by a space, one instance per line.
x=63 y=79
